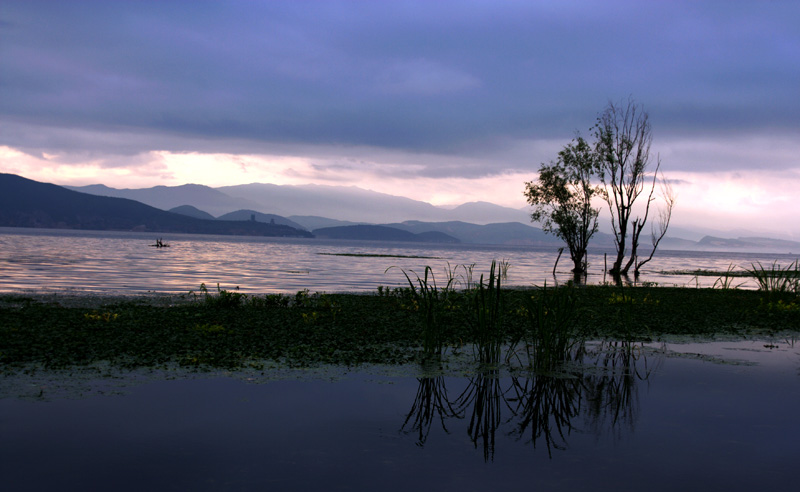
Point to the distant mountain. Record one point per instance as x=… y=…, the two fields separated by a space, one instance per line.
x=487 y=213
x=349 y=204
x=511 y=233
x=192 y=212
x=312 y=222
x=754 y=244
x=381 y=233
x=168 y=197
x=346 y=203
x=315 y=207
x=259 y=217
x=28 y=203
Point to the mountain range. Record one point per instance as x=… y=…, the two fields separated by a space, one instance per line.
x=300 y=211
x=27 y=203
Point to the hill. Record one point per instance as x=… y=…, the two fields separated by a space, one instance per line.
x=168 y=197
x=381 y=233
x=192 y=212
x=259 y=217
x=28 y=203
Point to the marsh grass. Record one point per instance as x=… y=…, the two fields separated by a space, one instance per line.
x=429 y=301
x=775 y=280
x=552 y=333
x=726 y=281
x=486 y=309
x=223 y=298
x=349 y=329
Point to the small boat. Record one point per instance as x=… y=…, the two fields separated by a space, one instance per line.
x=159 y=244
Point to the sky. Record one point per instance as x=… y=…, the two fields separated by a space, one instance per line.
x=442 y=101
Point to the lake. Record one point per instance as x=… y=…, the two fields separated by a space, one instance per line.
x=672 y=416
x=682 y=414
x=122 y=262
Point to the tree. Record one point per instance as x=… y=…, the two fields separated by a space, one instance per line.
x=562 y=199
x=624 y=136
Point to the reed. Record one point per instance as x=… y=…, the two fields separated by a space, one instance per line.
x=223 y=298
x=726 y=281
x=429 y=301
x=551 y=336
x=776 y=280
x=486 y=302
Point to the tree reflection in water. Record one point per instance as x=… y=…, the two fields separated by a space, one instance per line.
x=601 y=384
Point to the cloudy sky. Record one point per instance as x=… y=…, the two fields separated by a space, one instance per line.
x=443 y=101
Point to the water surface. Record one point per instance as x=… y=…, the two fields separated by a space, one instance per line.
x=702 y=416
x=102 y=261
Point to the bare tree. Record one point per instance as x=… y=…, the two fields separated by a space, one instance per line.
x=664 y=216
x=624 y=136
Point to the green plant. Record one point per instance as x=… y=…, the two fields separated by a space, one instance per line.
x=429 y=301
x=486 y=301
x=223 y=299
x=776 y=280
x=551 y=335
x=726 y=281
x=503 y=267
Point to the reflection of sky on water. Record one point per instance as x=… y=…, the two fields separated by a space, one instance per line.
x=699 y=421
x=109 y=261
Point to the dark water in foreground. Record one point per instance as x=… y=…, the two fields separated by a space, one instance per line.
x=712 y=416
x=119 y=262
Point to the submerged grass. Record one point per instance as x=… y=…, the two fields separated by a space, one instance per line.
x=234 y=330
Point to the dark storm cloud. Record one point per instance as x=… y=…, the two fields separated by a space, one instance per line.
x=438 y=77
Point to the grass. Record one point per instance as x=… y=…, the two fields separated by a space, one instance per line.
x=226 y=329
x=486 y=309
x=552 y=331
x=776 y=280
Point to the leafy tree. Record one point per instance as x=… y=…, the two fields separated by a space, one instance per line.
x=562 y=199
x=624 y=136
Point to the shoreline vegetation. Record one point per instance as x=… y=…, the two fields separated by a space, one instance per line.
x=425 y=322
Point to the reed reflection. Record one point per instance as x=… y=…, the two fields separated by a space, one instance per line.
x=612 y=393
x=600 y=385
x=431 y=403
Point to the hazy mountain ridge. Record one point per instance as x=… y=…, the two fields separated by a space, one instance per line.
x=28 y=203
x=260 y=217
x=192 y=212
x=382 y=233
x=204 y=198
x=317 y=206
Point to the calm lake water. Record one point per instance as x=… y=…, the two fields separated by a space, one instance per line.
x=114 y=262
x=697 y=416
x=673 y=416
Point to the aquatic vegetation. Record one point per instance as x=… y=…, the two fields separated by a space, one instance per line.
x=536 y=328
x=374 y=255
x=486 y=310
x=726 y=281
x=107 y=316
x=223 y=298
x=208 y=328
x=429 y=300
x=619 y=298
x=551 y=334
x=776 y=280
